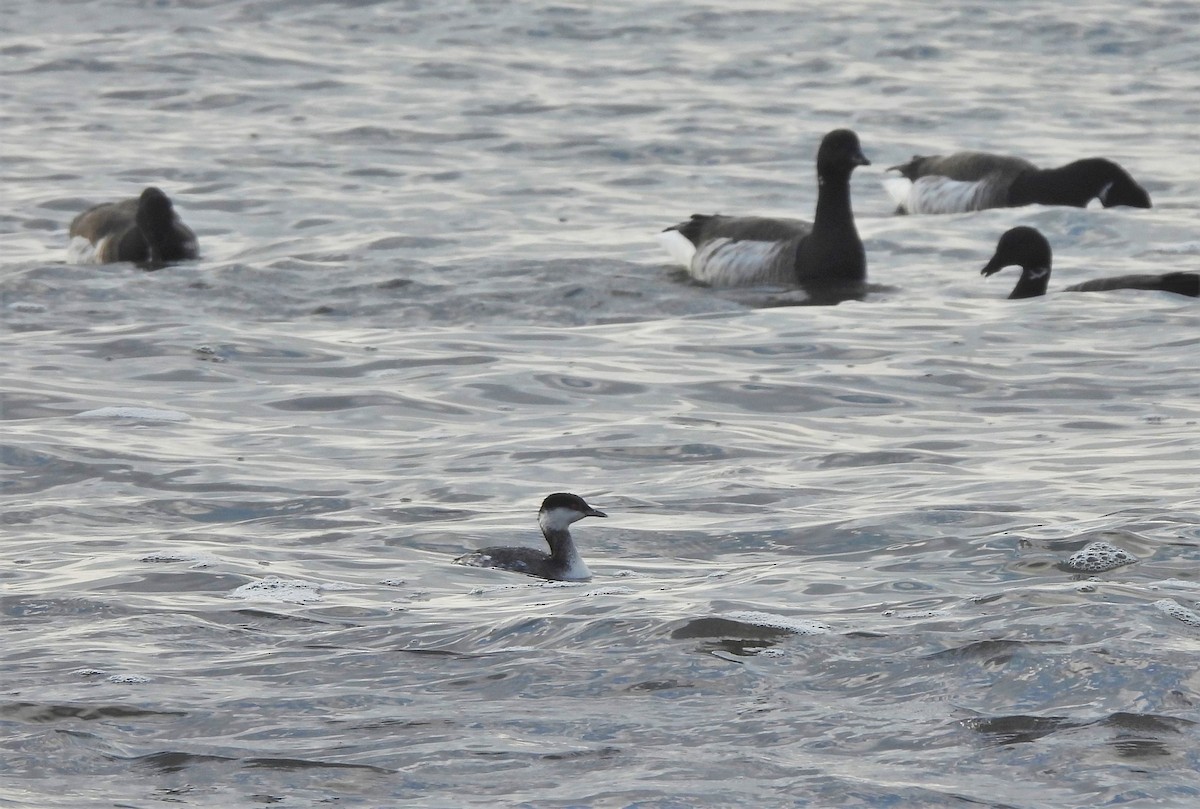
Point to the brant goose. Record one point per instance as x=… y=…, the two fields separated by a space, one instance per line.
x=743 y=250
x=973 y=181
x=563 y=563
x=1028 y=249
x=144 y=230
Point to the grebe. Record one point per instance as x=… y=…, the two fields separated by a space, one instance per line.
x=563 y=563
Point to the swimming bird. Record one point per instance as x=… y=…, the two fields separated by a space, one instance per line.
x=563 y=563
x=743 y=250
x=1028 y=249
x=973 y=181
x=144 y=230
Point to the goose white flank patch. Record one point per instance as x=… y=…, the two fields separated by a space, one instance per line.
x=144 y=230
x=563 y=563
x=1027 y=248
x=973 y=181
x=745 y=250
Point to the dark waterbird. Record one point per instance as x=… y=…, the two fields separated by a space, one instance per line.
x=563 y=563
x=1027 y=248
x=143 y=230
x=973 y=181
x=745 y=250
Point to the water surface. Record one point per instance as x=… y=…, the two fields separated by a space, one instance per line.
x=430 y=294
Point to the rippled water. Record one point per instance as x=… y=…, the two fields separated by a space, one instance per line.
x=430 y=294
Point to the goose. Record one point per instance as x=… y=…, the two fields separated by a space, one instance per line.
x=1027 y=248
x=745 y=250
x=973 y=181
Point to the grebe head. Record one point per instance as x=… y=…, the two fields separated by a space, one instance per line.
x=561 y=509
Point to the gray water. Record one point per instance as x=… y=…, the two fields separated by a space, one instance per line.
x=430 y=294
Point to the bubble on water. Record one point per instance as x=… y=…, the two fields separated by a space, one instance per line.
x=134 y=414
x=1179 y=248
x=1177 y=611
x=524 y=585
x=1176 y=584
x=798 y=626
x=208 y=353
x=279 y=591
x=198 y=560
x=166 y=557
x=615 y=590
x=916 y=615
x=1097 y=557
x=128 y=679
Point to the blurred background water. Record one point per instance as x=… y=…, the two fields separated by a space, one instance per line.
x=430 y=294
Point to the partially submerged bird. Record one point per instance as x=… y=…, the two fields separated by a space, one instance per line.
x=973 y=181
x=1027 y=248
x=744 y=250
x=563 y=563
x=143 y=230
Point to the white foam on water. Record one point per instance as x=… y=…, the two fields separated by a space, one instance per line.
x=1177 y=611
x=1182 y=248
x=532 y=584
x=279 y=591
x=798 y=626
x=917 y=615
x=198 y=560
x=1176 y=584
x=612 y=591
x=134 y=414
x=1097 y=557
x=82 y=251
